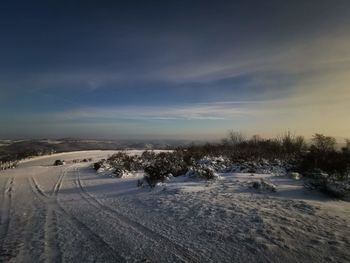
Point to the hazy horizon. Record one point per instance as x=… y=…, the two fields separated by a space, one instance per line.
x=340 y=141
x=174 y=70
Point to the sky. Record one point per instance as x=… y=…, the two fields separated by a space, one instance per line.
x=173 y=69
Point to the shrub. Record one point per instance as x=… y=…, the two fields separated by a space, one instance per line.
x=286 y=151
x=155 y=174
x=163 y=165
x=125 y=161
x=322 y=155
x=119 y=172
x=98 y=165
x=346 y=148
x=204 y=172
x=291 y=146
x=323 y=144
x=236 y=137
x=8 y=165
x=148 y=156
x=237 y=147
x=58 y=162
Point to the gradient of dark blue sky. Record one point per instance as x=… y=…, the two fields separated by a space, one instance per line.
x=112 y=68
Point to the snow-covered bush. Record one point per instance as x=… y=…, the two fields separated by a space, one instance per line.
x=202 y=171
x=163 y=165
x=119 y=172
x=217 y=164
x=154 y=174
x=125 y=161
x=98 y=164
x=119 y=164
x=263 y=166
x=148 y=156
x=8 y=165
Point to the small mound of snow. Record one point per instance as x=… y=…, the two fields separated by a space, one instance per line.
x=295 y=175
x=117 y=172
x=263 y=186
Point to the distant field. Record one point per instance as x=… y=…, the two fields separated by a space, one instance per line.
x=14 y=150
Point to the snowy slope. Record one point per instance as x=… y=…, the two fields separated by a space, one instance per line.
x=70 y=213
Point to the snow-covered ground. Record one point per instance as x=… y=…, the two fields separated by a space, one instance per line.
x=70 y=213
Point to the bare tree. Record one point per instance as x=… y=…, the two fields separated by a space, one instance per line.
x=346 y=148
x=236 y=137
x=323 y=143
x=256 y=138
x=347 y=144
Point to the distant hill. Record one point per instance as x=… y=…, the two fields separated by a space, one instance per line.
x=15 y=150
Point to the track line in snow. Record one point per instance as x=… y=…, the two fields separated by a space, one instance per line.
x=179 y=251
x=37 y=187
x=58 y=184
x=53 y=248
x=50 y=243
x=5 y=216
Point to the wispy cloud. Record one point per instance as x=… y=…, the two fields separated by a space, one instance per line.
x=265 y=71
x=199 y=111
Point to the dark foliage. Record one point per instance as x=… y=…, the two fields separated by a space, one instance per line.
x=98 y=164
x=155 y=174
x=163 y=165
x=126 y=162
x=336 y=164
x=236 y=147
x=58 y=162
x=148 y=156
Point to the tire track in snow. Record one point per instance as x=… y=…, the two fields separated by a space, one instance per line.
x=179 y=251
x=37 y=187
x=5 y=217
x=51 y=246
x=58 y=184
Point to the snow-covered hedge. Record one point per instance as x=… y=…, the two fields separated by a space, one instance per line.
x=159 y=166
x=119 y=164
x=8 y=165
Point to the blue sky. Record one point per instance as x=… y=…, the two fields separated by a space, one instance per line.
x=180 y=69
